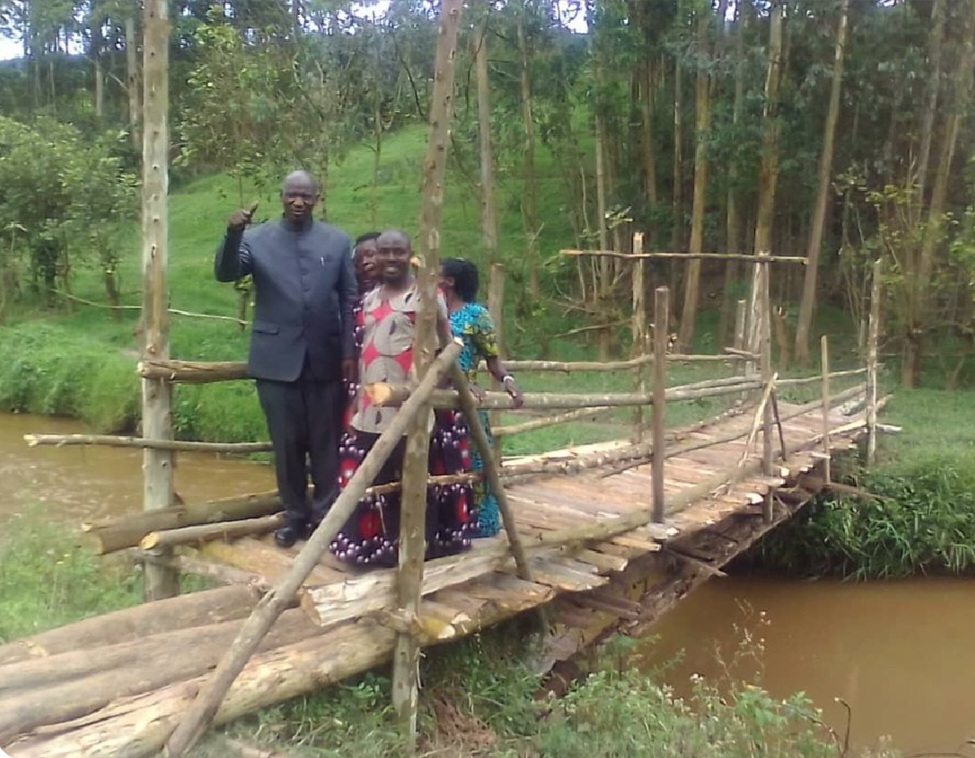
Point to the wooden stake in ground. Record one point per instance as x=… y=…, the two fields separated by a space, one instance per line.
x=661 y=314
x=873 y=338
x=824 y=348
x=638 y=328
x=157 y=465
x=201 y=712
x=406 y=657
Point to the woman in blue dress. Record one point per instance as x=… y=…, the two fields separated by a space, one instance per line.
x=472 y=323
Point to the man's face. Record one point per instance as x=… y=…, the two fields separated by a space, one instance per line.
x=365 y=260
x=299 y=197
x=393 y=258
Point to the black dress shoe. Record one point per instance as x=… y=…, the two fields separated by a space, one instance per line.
x=288 y=535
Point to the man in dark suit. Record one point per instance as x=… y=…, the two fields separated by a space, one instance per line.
x=301 y=342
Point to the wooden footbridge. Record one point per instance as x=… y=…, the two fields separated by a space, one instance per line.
x=603 y=536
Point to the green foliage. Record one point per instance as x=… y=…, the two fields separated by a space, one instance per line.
x=62 y=197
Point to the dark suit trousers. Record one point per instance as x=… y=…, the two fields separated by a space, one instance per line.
x=303 y=419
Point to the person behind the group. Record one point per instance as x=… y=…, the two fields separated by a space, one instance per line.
x=302 y=346
x=471 y=322
x=364 y=263
x=371 y=535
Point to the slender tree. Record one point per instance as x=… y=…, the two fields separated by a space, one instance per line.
x=808 y=304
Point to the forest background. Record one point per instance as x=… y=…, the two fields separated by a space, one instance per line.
x=834 y=130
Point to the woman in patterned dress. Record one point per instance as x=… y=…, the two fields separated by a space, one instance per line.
x=387 y=319
x=471 y=322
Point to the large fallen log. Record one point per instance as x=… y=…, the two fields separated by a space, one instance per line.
x=193 y=610
x=137 y=727
x=127 y=531
x=71 y=685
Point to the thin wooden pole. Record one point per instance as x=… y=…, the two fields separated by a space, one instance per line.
x=873 y=340
x=200 y=713
x=161 y=581
x=638 y=328
x=661 y=315
x=468 y=405
x=686 y=256
x=768 y=378
x=412 y=548
x=741 y=330
x=496 y=309
x=827 y=452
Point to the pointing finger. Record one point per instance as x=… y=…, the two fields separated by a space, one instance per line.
x=250 y=213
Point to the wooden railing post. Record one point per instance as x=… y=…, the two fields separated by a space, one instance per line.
x=161 y=581
x=827 y=453
x=741 y=330
x=639 y=330
x=496 y=309
x=763 y=312
x=873 y=339
x=661 y=315
x=412 y=550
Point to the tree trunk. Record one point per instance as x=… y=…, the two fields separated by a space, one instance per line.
x=934 y=229
x=157 y=465
x=677 y=235
x=734 y=224
x=808 y=304
x=132 y=78
x=769 y=172
x=530 y=204
x=702 y=128
x=489 y=215
x=649 y=138
x=935 y=45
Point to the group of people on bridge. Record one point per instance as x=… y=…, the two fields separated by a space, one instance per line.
x=330 y=316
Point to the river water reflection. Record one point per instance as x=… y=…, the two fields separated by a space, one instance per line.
x=902 y=654
x=73 y=484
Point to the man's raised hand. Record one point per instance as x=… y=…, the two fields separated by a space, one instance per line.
x=241 y=218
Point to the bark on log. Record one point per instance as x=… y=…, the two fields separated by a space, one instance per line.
x=193 y=610
x=225 y=530
x=192 y=372
x=127 y=531
x=138 y=727
x=72 y=685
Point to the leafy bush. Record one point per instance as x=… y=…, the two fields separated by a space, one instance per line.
x=918 y=519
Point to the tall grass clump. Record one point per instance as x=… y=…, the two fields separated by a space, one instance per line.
x=48 y=579
x=919 y=518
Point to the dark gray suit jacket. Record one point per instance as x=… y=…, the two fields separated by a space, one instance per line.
x=305 y=291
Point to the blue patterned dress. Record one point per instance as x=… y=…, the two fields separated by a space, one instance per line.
x=472 y=323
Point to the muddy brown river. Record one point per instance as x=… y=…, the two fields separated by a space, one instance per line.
x=901 y=654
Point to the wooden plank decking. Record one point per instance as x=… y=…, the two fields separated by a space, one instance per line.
x=472 y=592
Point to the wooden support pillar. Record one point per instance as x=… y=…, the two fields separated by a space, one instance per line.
x=406 y=654
x=761 y=330
x=161 y=580
x=827 y=453
x=661 y=315
x=873 y=340
x=638 y=328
